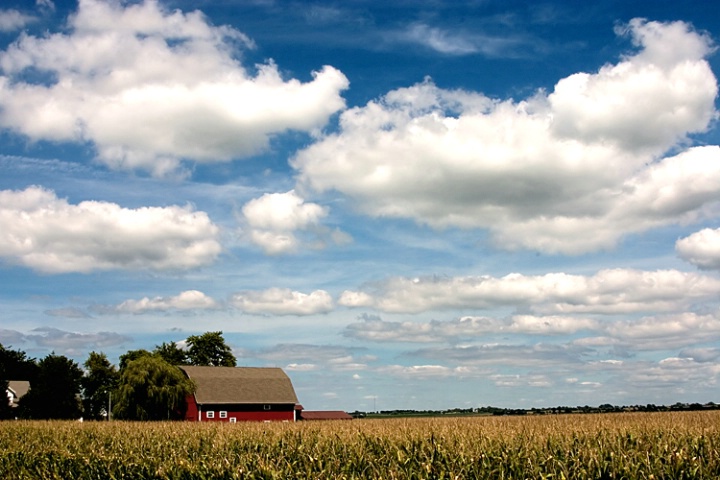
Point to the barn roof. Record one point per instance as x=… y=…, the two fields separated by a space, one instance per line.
x=227 y=385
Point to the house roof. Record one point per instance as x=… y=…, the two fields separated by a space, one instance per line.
x=18 y=388
x=325 y=415
x=227 y=385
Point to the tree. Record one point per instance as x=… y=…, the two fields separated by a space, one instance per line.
x=132 y=355
x=99 y=380
x=151 y=389
x=55 y=392
x=171 y=353
x=14 y=365
x=210 y=349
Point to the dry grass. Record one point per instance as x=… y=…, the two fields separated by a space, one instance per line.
x=683 y=445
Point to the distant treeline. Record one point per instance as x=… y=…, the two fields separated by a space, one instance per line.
x=605 y=408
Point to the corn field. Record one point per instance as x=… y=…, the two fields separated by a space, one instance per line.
x=682 y=445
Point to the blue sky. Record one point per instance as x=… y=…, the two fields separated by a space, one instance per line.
x=419 y=205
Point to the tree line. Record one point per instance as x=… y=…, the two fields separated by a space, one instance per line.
x=146 y=385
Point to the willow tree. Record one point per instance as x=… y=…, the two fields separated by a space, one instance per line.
x=150 y=388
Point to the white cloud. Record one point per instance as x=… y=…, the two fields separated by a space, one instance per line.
x=701 y=248
x=150 y=87
x=700 y=354
x=565 y=172
x=521 y=380
x=301 y=367
x=550 y=325
x=74 y=343
x=187 y=300
x=686 y=330
x=676 y=375
x=430 y=371
x=464 y=328
x=13 y=20
x=462 y=42
x=649 y=101
x=608 y=291
x=275 y=219
x=283 y=301
x=48 y=234
x=67 y=312
x=62 y=341
x=535 y=356
x=666 y=332
x=439 y=40
x=282 y=211
x=310 y=357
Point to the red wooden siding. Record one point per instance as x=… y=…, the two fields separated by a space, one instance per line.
x=239 y=412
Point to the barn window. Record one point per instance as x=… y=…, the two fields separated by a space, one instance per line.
x=223 y=414
x=210 y=414
x=233 y=420
x=266 y=407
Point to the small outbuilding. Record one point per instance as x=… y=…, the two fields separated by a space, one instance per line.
x=238 y=394
x=325 y=415
x=16 y=390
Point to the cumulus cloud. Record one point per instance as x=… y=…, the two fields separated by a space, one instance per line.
x=283 y=301
x=607 y=292
x=187 y=300
x=464 y=328
x=278 y=222
x=685 y=331
x=570 y=172
x=50 y=235
x=149 y=87
x=701 y=249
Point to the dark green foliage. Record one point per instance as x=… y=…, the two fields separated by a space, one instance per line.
x=171 y=353
x=210 y=349
x=55 y=391
x=99 y=380
x=5 y=408
x=14 y=365
x=132 y=355
x=151 y=389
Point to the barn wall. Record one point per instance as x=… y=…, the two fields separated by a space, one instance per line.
x=241 y=412
x=191 y=414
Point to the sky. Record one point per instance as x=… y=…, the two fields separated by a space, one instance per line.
x=405 y=205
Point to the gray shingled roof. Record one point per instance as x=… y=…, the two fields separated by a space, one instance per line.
x=216 y=385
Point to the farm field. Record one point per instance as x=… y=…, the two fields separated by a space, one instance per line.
x=667 y=445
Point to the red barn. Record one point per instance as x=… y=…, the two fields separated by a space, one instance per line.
x=237 y=394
